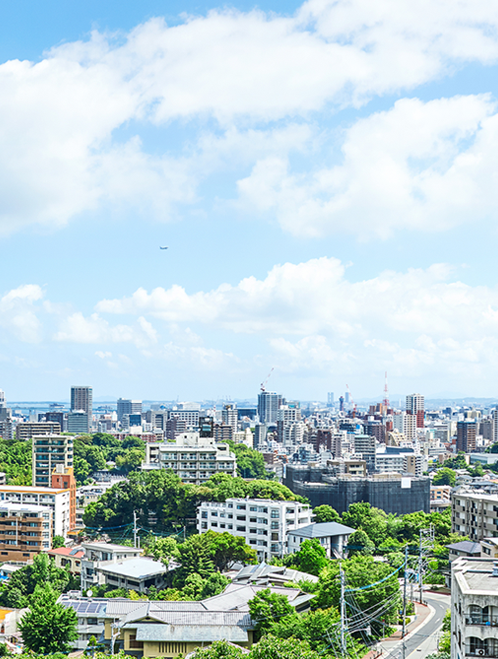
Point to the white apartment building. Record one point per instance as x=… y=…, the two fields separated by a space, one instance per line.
x=102 y=554
x=263 y=523
x=474 y=608
x=474 y=514
x=192 y=457
x=58 y=501
x=48 y=451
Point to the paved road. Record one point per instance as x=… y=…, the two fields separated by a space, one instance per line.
x=423 y=642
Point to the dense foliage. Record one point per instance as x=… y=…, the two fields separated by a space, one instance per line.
x=250 y=463
x=18 y=591
x=163 y=494
x=47 y=626
x=93 y=452
x=15 y=461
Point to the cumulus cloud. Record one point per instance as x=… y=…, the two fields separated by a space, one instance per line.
x=60 y=150
x=424 y=166
x=313 y=318
x=18 y=312
x=78 y=329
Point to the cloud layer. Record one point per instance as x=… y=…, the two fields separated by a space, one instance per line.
x=61 y=152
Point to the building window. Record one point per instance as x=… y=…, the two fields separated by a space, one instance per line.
x=241 y=528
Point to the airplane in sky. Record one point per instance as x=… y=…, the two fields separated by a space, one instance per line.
x=163 y=248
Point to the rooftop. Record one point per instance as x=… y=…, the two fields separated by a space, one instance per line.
x=137 y=568
x=322 y=530
x=109 y=546
x=68 y=551
x=475 y=575
x=466 y=546
x=32 y=488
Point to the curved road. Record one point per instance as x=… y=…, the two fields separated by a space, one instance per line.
x=423 y=641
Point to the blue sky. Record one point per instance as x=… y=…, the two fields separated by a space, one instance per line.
x=324 y=174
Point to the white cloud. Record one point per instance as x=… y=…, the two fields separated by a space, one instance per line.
x=314 y=319
x=19 y=315
x=78 y=329
x=425 y=166
x=59 y=154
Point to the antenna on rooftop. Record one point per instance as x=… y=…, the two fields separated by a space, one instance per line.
x=385 y=402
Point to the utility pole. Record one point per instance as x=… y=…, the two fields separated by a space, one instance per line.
x=405 y=577
x=425 y=546
x=343 y=613
x=135 y=532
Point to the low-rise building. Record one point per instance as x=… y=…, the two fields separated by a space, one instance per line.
x=68 y=557
x=263 y=523
x=489 y=548
x=25 y=530
x=31 y=429
x=333 y=537
x=134 y=574
x=100 y=554
x=474 y=608
x=465 y=548
x=91 y=617
x=192 y=457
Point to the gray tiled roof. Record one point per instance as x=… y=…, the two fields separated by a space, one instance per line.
x=191 y=632
x=467 y=546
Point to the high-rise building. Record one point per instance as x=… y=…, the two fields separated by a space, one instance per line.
x=82 y=400
x=28 y=430
x=230 y=417
x=330 y=399
x=77 y=422
x=466 y=436
x=495 y=425
x=128 y=406
x=268 y=404
x=415 y=403
x=49 y=451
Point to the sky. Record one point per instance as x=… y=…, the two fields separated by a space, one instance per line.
x=324 y=175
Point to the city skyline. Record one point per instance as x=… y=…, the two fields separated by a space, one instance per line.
x=322 y=174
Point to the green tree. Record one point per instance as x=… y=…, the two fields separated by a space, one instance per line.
x=214 y=585
x=162 y=549
x=313 y=627
x=219 y=650
x=326 y=514
x=372 y=520
x=266 y=606
x=310 y=558
x=48 y=627
x=250 y=463
x=131 y=460
x=58 y=541
x=270 y=647
x=226 y=549
x=359 y=543
x=195 y=558
x=444 y=476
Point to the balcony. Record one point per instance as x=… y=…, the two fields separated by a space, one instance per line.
x=492 y=654
x=482 y=621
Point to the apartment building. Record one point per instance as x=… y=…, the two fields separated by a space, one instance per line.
x=474 y=608
x=49 y=451
x=263 y=523
x=475 y=514
x=25 y=530
x=192 y=457
x=30 y=429
x=56 y=502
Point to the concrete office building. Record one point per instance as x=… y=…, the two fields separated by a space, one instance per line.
x=268 y=404
x=466 y=436
x=192 y=457
x=474 y=608
x=56 y=501
x=25 y=530
x=230 y=416
x=30 y=429
x=189 y=416
x=82 y=401
x=128 y=406
x=393 y=493
x=263 y=523
x=365 y=445
x=49 y=451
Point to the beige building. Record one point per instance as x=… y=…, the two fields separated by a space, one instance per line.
x=25 y=530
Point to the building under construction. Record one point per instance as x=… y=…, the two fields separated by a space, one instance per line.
x=393 y=493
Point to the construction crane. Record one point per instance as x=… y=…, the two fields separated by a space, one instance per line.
x=386 y=396
x=351 y=400
x=265 y=382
